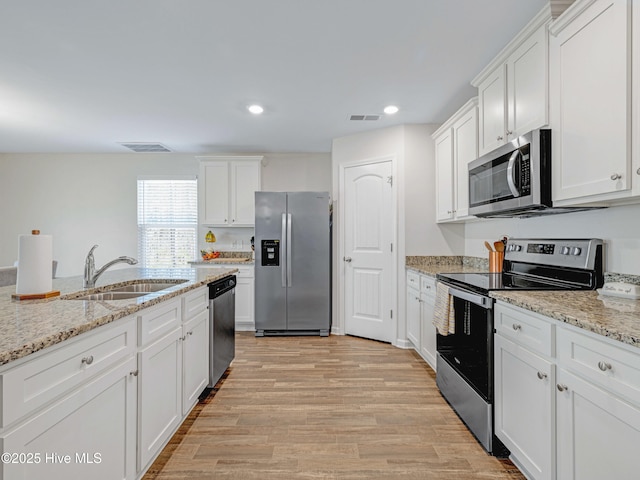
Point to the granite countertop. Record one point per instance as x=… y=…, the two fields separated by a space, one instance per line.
x=224 y=261
x=612 y=317
x=29 y=326
x=433 y=265
x=616 y=318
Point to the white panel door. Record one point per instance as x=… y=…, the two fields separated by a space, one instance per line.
x=367 y=244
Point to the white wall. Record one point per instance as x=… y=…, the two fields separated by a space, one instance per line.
x=423 y=236
x=619 y=227
x=87 y=199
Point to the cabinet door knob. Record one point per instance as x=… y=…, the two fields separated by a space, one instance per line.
x=542 y=376
x=604 y=366
x=347 y=259
x=561 y=387
x=133 y=373
x=616 y=176
x=517 y=326
x=87 y=360
x=509 y=132
x=638 y=171
x=499 y=138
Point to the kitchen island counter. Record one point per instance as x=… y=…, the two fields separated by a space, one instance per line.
x=29 y=326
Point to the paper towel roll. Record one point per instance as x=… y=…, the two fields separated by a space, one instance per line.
x=35 y=254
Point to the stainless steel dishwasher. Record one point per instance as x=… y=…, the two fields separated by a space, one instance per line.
x=222 y=327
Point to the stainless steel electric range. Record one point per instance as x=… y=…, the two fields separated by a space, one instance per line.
x=465 y=358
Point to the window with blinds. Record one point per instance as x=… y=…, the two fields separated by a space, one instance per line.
x=167 y=221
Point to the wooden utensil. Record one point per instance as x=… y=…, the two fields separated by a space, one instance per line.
x=488 y=245
x=499 y=245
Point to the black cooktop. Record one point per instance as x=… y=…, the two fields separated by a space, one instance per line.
x=485 y=282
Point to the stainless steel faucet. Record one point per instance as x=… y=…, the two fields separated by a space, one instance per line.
x=90 y=274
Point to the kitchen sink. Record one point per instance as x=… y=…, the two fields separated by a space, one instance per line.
x=110 y=296
x=125 y=292
x=143 y=287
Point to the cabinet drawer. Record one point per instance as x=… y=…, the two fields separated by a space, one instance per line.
x=607 y=363
x=37 y=383
x=526 y=328
x=413 y=280
x=427 y=285
x=194 y=302
x=157 y=321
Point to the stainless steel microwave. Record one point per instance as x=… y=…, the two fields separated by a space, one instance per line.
x=515 y=179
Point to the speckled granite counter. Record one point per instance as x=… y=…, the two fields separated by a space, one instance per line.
x=29 y=326
x=432 y=265
x=611 y=317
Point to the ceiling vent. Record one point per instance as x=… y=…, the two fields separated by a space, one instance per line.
x=357 y=118
x=140 y=147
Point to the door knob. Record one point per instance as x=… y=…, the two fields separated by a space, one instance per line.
x=347 y=259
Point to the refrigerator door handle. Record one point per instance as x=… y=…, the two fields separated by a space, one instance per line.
x=283 y=249
x=289 y=249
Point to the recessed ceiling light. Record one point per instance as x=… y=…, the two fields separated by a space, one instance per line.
x=255 y=109
x=391 y=109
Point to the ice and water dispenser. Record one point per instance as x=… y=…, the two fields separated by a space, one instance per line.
x=270 y=253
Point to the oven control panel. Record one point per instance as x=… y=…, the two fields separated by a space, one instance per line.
x=575 y=253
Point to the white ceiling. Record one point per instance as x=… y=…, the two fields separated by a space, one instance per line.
x=82 y=76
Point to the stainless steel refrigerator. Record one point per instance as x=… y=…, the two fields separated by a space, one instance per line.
x=292 y=263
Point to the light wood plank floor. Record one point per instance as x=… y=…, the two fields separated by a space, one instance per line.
x=325 y=408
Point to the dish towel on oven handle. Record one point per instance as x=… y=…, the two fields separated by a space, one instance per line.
x=444 y=317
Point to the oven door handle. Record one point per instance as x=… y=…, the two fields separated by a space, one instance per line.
x=511 y=181
x=484 y=302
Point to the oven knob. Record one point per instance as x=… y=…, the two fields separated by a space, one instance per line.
x=518 y=247
x=565 y=251
x=576 y=251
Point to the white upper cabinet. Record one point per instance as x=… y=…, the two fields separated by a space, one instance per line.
x=591 y=102
x=513 y=93
x=226 y=187
x=456 y=144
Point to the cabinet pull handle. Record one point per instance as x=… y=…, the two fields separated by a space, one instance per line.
x=509 y=132
x=561 y=387
x=517 y=326
x=616 y=176
x=499 y=138
x=133 y=373
x=542 y=376
x=604 y=366
x=87 y=360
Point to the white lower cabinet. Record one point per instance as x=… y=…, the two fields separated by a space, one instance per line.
x=90 y=433
x=413 y=312
x=524 y=413
x=159 y=395
x=428 y=330
x=420 y=305
x=195 y=359
x=598 y=433
x=245 y=315
x=567 y=401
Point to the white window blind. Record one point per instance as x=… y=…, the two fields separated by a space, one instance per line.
x=167 y=221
